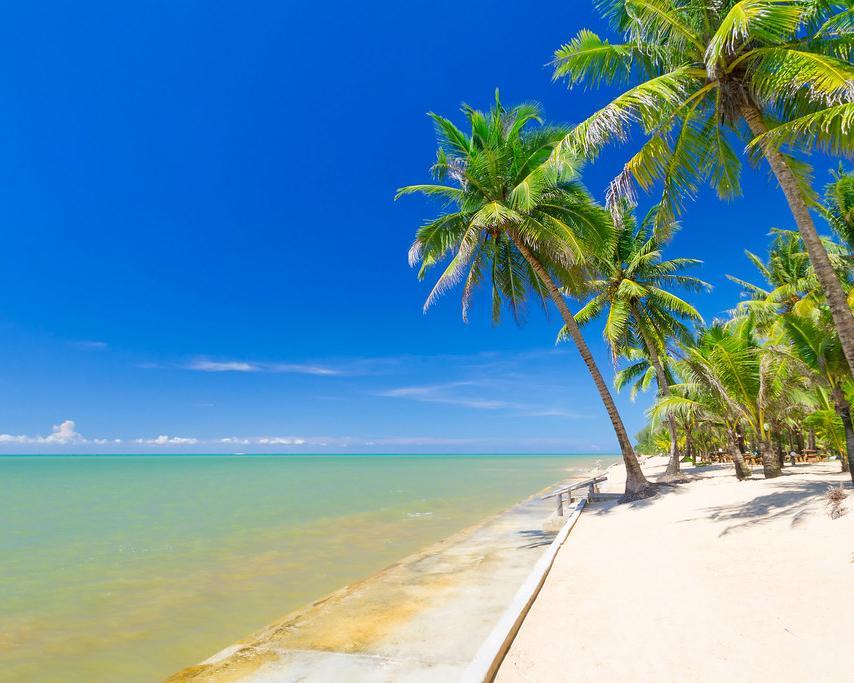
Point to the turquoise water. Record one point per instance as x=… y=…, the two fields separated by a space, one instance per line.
x=127 y=568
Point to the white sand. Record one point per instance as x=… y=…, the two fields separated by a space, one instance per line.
x=716 y=580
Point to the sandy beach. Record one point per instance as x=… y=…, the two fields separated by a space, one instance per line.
x=714 y=580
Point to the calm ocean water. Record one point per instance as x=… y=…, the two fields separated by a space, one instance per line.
x=126 y=568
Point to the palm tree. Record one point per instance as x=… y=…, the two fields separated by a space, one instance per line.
x=640 y=373
x=769 y=72
x=791 y=284
x=521 y=225
x=747 y=382
x=838 y=206
x=701 y=398
x=815 y=345
x=632 y=285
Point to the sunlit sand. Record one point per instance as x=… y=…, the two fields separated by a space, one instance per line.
x=716 y=580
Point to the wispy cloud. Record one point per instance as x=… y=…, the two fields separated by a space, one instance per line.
x=222 y=366
x=90 y=345
x=164 y=440
x=207 y=365
x=444 y=393
x=263 y=440
x=460 y=394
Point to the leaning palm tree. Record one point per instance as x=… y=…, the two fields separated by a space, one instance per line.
x=767 y=72
x=517 y=225
x=744 y=377
x=702 y=398
x=633 y=285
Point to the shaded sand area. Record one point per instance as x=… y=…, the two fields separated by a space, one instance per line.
x=422 y=619
x=715 y=580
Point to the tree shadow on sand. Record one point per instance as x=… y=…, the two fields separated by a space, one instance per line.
x=537 y=538
x=798 y=500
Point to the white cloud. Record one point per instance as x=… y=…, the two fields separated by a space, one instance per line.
x=444 y=393
x=206 y=365
x=280 y=440
x=301 y=369
x=164 y=440
x=63 y=433
x=460 y=394
x=222 y=366
x=263 y=440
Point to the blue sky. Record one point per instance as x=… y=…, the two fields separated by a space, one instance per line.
x=201 y=253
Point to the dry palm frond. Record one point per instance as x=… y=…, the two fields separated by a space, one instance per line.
x=834 y=498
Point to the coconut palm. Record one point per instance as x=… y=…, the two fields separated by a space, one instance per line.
x=519 y=226
x=815 y=345
x=702 y=399
x=748 y=382
x=640 y=373
x=633 y=285
x=767 y=72
x=790 y=281
x=838 y=205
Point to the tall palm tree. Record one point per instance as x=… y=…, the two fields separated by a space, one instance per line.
x=633 y=285
x=517 y=224
x=769 y=72
x=820 y=352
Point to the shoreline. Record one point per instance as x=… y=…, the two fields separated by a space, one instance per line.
x=376 y=612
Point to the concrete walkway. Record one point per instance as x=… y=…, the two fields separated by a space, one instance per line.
x=422 y=619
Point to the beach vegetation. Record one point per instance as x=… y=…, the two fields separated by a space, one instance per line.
x=711 y=83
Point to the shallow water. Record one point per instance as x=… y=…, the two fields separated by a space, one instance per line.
x=130 y=567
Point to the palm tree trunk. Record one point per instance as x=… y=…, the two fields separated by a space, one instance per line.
x=843 y=408
x=742 y=471
x=770 y=464
x=672 y=470
x=842 y=318
x=637 y=485
x=690 y=448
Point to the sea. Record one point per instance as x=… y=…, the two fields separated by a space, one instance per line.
x=128 y=568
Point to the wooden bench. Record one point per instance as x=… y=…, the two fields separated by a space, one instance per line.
x=592 y=486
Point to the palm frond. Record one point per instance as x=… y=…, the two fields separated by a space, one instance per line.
x=830 y=130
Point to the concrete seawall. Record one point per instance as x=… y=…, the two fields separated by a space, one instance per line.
x=423 y=618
